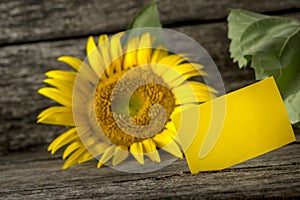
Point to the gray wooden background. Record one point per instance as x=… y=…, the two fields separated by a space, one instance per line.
x=34 y=33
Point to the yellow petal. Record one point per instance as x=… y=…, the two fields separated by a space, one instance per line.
x=90 y=141
x=56 y=95
x=165 y=64
x=170 y=126
x=190 y=65
x=56 y=117
x=171 y=60
x=183 y=79
x=94 y=57
x=62 y=140
x=65 y=87
x=171 y=78
x=55 y=109
x=102 y=38
x=86 y=156
x=182 y=91
x=72 y=147
x=172 y=132
x=105 y=53
x=158 y=68
x=121 y=153
x=144 y=50
x=116 y=51
x=136 y=149
x=178 y=71
x=197 y=98
x=130 y=59
x=193 y=92
x=83 y=88
x=72 y=61
x=192 y=74
x=67 y=76
x=166 y=143
x=150 y=150
x=79 y=65
x=52 y=82
x=108 y=153
x=198 y=86
x=74 y=158
x=98 y=148
x=182 y=108
x=159 y=53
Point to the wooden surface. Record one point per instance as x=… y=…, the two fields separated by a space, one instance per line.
x=37 y=175
x=33 y=34
x=30 y=20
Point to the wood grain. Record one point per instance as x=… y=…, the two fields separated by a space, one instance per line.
x=31 y=20
x=36 y=175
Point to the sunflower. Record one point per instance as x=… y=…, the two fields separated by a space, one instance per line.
x=120 y=101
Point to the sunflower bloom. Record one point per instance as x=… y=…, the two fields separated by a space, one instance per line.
x=120 y=101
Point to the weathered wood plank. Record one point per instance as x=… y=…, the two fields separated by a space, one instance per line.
x=36 y=175
x=24 y=21
x=23 y=66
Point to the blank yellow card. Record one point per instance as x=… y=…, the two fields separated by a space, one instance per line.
x=235 y=127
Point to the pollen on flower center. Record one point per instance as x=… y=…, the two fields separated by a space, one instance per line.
x=149 y=107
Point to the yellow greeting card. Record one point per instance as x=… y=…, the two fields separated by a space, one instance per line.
x=255 y=122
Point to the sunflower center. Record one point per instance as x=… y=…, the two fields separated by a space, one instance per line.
x=133 y=105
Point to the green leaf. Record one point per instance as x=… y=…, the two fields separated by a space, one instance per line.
x=146 y=21
x=147 y=17
x=292 y=103
x=272 y=44
x=238 y=21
